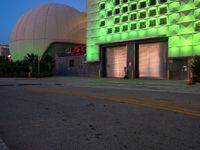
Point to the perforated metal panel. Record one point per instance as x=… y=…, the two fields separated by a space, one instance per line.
x=116 y=60
x=153 y=60
x=176 y=19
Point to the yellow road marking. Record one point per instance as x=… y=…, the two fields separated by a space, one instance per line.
x=179 y=107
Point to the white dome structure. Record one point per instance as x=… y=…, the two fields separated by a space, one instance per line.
x=44 y=25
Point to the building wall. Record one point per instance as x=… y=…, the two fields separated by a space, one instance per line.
x=67 y=64
x=176 y=19
x=70 y=66
x=4 y=50
x=75 y=66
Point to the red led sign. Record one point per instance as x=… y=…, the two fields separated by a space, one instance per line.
x=78 y=50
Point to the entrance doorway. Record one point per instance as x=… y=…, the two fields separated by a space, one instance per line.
x=179 y=68
x=153 y=60
x=116 y=61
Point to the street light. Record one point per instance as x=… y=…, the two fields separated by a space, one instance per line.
x=9 y=57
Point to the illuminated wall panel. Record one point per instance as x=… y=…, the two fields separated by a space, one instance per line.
x=174 y=51
x=115 y=20
x=196 y=50
x=185 y=51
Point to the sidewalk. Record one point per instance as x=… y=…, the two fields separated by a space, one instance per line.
x=3 y=145
x=172 y=86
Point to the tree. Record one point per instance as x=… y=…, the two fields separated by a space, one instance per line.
x=46 y=64
x=21 y=68
x=31 y=60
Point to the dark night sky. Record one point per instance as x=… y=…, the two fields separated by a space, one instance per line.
x=11 y=10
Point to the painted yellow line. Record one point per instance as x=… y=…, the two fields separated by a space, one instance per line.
x=184 y=108
x=148 y=103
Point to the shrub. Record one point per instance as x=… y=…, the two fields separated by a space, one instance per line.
x=195 y=67
x=21 y=68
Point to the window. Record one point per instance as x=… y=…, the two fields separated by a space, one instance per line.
x=125 y=9
x=163 y=1
x=124 y=1
x=109 y=30
x=133 y=7
x=152 y=12
x=163 y=21
x=117 y=11
x=102 y=23
x=143 y=15
x=163 y=10
x=133 y=17
x=142 y=25
x=152 y=23
x=71 y=63
x=125 y=28
x=142 y=4
x=152 y=2
x=102 y=6
x=125 y=19
x=117 y=29
x=117 y=2
x=197 y=27
x=133 y=26
x=109 y=13
x=117 y=20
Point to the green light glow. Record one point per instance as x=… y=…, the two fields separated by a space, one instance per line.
x=196 y=50
x=175 y=19
x=173 y=51
x=186 y=40
x=196 y=39
x=185 y=50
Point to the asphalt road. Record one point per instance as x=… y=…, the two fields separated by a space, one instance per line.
x=99 y=114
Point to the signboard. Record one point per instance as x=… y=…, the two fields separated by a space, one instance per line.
x=76 y=51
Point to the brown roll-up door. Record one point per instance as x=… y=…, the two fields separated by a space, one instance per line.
x=153 y=60
x=116 y=60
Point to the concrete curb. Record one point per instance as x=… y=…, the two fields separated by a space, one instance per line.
x=3 y=145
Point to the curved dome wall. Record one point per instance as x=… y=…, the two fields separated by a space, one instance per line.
x=41 y=26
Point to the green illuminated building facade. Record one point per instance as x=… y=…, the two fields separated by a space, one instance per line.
x=134 y=23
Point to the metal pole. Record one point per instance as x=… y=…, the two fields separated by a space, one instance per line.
x=132 y=73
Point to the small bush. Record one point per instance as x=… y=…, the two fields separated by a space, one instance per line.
x=195 y=67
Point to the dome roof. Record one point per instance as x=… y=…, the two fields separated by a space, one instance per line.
x=41 y=26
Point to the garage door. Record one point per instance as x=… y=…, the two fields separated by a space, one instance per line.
x=153 y=60
x=116 y=60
